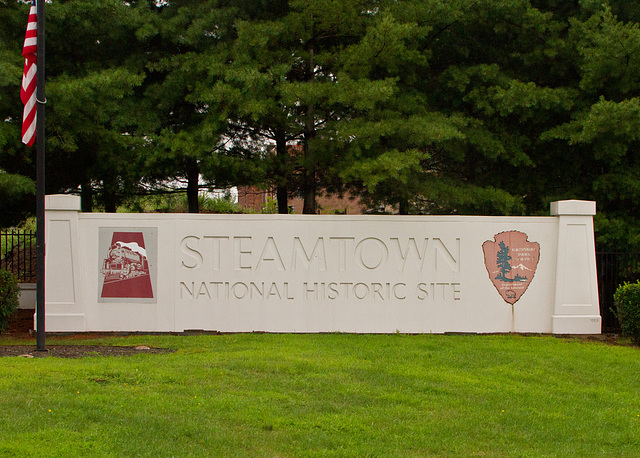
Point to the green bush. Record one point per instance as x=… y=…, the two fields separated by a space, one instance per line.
x=218 y=205
x=9 y=297
x=627 y=309
x=177 y=203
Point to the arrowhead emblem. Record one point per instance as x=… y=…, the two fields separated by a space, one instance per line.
x=511 y=262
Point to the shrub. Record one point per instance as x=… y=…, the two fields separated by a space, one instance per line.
x=9 y=297
x=177 y=203
x=218 y=205
x=626 y=300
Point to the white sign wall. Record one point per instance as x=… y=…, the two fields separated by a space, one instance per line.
x=298 y=273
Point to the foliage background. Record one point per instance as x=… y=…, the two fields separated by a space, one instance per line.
x=432 y=107
x=9 y=297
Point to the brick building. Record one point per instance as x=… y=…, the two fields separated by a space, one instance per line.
x=260 y=200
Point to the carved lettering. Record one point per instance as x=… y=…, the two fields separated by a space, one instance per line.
x=240 y=263
x=404 y=253
x=333 y=292
x=270 y=253
x=395 y=292
x=362 y=288
x=452 y=260
x=239 y=290
x=274 y=291
x=216 y=249
x=438 y=291
x=342 y=251
x=318 y=254
x=185 y=287
x=372 y=253
x=195 y=256
x=204 y=291
x=287 y=295
x=342 y=254
x=310 y=289
x=258 y=288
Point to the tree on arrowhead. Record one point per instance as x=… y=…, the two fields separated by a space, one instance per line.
x=502 y=259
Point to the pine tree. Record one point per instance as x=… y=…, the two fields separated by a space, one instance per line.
x=92 y=104
x=502 y=260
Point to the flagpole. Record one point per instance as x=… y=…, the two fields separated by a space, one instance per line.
x=40 y=181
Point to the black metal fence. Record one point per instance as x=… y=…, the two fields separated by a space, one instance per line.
x=18 y=254
x=614 y=268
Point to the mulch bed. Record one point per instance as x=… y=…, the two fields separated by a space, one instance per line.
x=21 y=328
x=76 y=351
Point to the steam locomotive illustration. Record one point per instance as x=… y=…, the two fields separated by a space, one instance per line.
x=122 y=263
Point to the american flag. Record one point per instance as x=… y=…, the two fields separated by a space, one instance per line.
x=28 y=90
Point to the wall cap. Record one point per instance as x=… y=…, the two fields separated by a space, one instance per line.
x=573 y=207
x=62 y=202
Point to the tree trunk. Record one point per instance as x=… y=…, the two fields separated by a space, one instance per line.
x=309 y=181
x=282 y=155
x=110 y=205
x=193 y=177
x=309 y=184
x=403 y=206
x=86 y=197
x=109 y=195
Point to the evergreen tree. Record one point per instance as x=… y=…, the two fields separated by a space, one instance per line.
x=182 y=39
x=603 y=135
x=17 y=186
x=466 y=106
x=94 y=65
x=502 y=259
x=283 y=85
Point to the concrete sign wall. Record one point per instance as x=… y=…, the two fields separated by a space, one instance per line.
x=297 y=273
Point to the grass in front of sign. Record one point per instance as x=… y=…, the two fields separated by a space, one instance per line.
x=332 y=394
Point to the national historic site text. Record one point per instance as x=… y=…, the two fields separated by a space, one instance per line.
x=223 y=257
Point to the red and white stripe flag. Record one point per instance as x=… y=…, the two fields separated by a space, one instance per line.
x=28 y=90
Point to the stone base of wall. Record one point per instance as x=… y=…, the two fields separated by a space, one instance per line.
x=27 y=296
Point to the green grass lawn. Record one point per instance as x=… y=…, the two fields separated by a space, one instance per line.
x=327 y=395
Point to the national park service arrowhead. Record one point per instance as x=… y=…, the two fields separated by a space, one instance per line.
x=511 y=261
